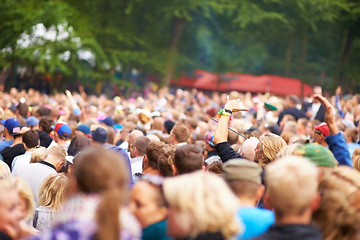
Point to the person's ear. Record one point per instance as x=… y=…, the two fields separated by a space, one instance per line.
x=260 y=192
x=163 y=211
x=59 y=165
x=267 y=201
x=174 y=169
x=316 y=202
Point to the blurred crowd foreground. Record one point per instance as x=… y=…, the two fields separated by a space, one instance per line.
x=181 y=165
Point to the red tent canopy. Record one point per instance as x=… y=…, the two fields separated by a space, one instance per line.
x=277 y=85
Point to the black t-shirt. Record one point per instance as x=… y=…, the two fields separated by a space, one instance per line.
x=45 y=139
x=9 y=153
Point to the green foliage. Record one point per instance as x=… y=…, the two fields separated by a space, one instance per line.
x=315 y=40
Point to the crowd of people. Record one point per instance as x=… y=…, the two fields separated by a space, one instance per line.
x=179 y=165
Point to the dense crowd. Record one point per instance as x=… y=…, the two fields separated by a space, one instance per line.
x=179 y=165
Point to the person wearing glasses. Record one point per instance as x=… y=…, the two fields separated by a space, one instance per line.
x=321 y=132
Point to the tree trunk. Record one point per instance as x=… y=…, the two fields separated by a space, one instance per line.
x=303 y=60
x=345 y=54
x=289 y=49
x=177 y=29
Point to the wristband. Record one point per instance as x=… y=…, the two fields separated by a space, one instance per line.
x=224 y=112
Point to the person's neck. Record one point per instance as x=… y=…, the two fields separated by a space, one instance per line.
x=8 y=137
x=324 y=144
x=247 y=202
x=17 y=141
x=150 y=171
x=303 y=219
x=62 y=143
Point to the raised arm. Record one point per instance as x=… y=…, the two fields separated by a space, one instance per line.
x=336 y=141
x=221 y=133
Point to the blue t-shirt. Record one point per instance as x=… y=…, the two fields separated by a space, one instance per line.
x=5 y=144
x=256 y=221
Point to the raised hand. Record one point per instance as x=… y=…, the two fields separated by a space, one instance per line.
x=235 y=105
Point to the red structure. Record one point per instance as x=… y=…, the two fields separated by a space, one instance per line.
x=277 y=85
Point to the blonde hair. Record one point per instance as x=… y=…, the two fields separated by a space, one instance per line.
x=4 y=170
x=39 y=154
x=291 y=184
x=270 y=144
x=337 y=217
x=57 y=151
x=25 y=193
x=288 y=150
x=206 y=204
x=53 y=191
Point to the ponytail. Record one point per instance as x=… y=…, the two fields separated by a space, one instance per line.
x=107 y=215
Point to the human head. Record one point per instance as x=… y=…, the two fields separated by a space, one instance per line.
x=22 y=110
x=247 y=149
x=319 y=155
x=338 y=214
x=26 y=198
x=12 y=126
x=32 y=123
x=158 y=124
x=139 y=147
x=269 y=145
x=147 y=201
x=215 y=167
x=53 y=191
x=321 y=131
x=351 y=135
x=30 y=139
x=4 y=170
x=56 y=156
x=92 y=175
x=45 y=124
x=133 y=135
x=166 y=161
x=179 y=134
x=10 y=212
x=99 y=136
x=39 y=154
x=244 y=179
x=83 y=129
x=188 y=158
x=206 y=204
x=153 y=152
x=317 y=90
x=77 y=144
x=292 y=184
x=62 y=132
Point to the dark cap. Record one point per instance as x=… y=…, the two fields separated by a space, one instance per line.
x=99 y=135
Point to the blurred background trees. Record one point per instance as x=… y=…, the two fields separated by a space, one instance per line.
x=128 y=42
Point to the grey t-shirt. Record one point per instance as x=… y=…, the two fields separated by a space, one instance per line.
x=43 y=218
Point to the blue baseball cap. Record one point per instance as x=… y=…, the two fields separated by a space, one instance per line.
x=63 y=130
x=12 y=125
x=108 y=121
x=32 y=121
x=84 y=128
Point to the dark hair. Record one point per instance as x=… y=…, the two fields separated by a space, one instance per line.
x=109 y=179
x=153 y=152
x=77 y=144
x=43 y=111
x=30 y=139
x=22 y=109
x=45 y=124
x=188 y=158
x=166 y=160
